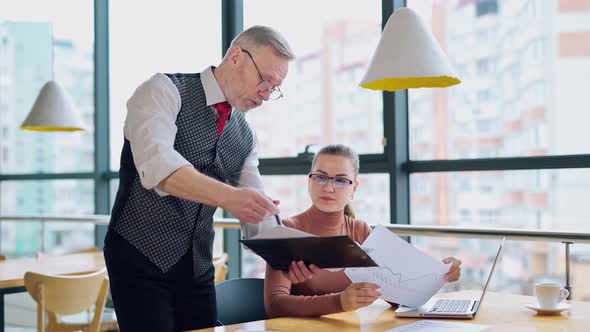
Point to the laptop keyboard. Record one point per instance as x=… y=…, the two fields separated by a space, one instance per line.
x=443 y=305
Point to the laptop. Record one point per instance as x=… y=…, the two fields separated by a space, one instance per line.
x=449 y=308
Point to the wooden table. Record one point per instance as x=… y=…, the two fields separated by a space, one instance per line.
x=503 y=312
x=12 y=271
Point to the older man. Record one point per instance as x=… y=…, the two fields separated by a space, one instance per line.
x=186 y=139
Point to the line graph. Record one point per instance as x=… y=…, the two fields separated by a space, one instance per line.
x=405 y=274
x=412 y=282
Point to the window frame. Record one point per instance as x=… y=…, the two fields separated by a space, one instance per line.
x=394 y=160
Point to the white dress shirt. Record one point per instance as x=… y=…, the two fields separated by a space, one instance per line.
x=150 y=127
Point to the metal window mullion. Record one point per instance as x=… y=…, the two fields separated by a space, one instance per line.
x=232 y=23
x=48 y=176
x=370 y=163
x=494 y=164
x=395 y=129
x=101 y=115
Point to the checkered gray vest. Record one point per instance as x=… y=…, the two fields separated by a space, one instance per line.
x=164 y=228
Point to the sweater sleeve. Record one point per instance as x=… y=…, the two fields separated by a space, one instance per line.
x=279 y=302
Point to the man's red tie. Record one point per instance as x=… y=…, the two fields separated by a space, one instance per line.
x=224 y=110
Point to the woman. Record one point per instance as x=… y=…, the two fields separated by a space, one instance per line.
x=313 y=292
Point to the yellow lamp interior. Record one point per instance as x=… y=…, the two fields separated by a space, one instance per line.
x=399 y=83
x=50 y=128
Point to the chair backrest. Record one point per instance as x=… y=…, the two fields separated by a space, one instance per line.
x=220 y=264
x=88 y=250
x=65 y=295
x=240 y=300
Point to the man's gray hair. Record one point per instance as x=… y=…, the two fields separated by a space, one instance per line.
x=260 y=35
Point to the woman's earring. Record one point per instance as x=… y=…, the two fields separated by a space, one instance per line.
x=351 y=197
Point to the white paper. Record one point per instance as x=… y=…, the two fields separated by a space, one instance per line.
x=439 y=326
x=405 y=274
x=281 y=232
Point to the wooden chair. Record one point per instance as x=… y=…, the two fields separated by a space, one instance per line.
x=220 y=264
x=109 y=320
x=66 y=295
x=86 y=250
x=90 y=250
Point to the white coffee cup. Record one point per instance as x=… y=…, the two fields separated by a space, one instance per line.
x=550 y=295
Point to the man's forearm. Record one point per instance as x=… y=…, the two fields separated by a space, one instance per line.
x=188 y=183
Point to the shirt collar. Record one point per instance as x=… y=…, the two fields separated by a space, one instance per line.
x=213 y=93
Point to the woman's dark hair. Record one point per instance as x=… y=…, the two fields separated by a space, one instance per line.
x=344 y=151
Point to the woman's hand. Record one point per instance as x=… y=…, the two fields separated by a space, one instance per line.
x=299 y=272
x=454 y=271
x=358 y=295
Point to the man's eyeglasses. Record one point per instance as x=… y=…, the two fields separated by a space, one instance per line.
x=274 y=91
x=338 y=182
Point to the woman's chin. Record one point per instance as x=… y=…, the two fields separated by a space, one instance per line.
x=327 y=206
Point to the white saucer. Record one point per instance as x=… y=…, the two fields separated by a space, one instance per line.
x=542 y=311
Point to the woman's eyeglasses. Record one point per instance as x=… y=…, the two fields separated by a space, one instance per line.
x=338 y=182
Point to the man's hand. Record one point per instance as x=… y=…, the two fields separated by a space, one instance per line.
x=299 y=272
x=454 y=271
x=358 y=295
x=249 y=205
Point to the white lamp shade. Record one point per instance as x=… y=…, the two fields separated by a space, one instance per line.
x=408 y=56
x=53 y=111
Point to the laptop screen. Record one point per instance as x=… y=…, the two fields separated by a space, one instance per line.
x=492 y=270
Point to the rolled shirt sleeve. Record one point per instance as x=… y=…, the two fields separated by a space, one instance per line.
x=151 y=129
x=249 y=177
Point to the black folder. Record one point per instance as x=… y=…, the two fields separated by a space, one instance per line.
x=324 y=252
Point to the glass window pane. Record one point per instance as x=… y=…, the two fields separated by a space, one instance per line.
x=528 y=199
x=322 y=102
x=537 y=199
x=59 y=197
x=522 y=264
x=166 y=37
x=36 y=46
x=370 y=204
x=524 y=66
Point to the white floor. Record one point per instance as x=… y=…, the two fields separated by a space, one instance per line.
x=20 y=310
